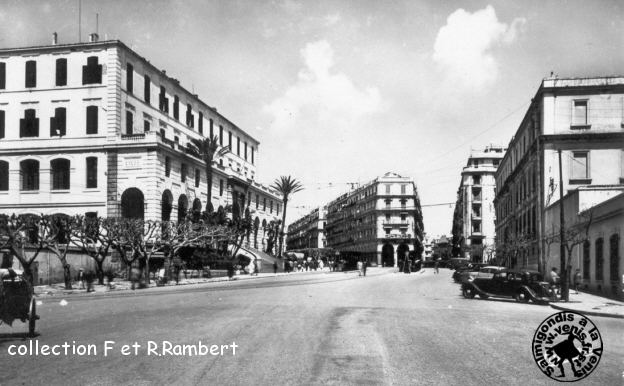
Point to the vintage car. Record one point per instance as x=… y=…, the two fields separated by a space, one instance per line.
x=520 y=285
x=16 y=299
x=481 y=271
x=463 y=269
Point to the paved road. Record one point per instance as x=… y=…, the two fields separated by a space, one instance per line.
x=314 y=329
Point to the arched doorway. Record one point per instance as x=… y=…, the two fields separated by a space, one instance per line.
x=166 y=205
x=387 y=255
x=182 y=208
x=132 y=204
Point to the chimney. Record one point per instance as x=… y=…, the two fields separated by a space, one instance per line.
x=93 y=37
x=54 y=38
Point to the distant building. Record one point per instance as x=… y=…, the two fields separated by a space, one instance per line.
x=308 y=231
x=380 y=222
x=473 y=223
x=427 y=254
x=584 y=119
x=96 y=129
x=441 y=248
x=594 y=221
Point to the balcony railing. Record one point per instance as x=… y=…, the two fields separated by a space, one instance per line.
x=133 y=137
x=400 y=223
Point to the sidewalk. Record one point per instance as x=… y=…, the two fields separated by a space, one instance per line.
x=591 y=305
x=124 y=286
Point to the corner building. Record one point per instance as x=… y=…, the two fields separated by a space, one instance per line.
x=380 y=221
x=308 y=231
x=94 y=128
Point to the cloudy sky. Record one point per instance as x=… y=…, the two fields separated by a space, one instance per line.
x=339 y=92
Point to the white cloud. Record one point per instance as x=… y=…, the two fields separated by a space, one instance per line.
x=463 y=46
x=320 y=96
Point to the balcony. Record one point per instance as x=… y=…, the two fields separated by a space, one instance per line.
x=399 y=223
x=133 y=137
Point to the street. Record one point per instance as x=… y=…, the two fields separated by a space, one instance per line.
x=322 y=328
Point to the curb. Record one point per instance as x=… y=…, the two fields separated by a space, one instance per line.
x=591 y=313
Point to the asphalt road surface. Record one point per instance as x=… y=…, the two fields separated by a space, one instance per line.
x=317 y=329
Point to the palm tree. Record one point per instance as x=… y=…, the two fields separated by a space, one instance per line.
x=209 y=149
x=286 y=185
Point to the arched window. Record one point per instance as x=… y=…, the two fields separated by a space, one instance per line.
x=599 y=259
x=614 y=257
x=4 y=176
x=166 y=205
x=132 y=204
x=586 y=260
x=182 y=208
x=29 y=172
x=60 y=174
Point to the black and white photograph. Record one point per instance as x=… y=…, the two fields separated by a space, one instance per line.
x=297 y=192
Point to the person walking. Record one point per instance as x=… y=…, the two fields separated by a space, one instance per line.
x=359 y=267
x=364 y=265
x=436 y=266
x=275 y=267
x=554 y=279
x=578 y=279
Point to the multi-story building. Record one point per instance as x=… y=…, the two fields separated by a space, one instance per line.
x=94 y=128
x=308 y=231
x=577 y=123
x=475 y=203
x=381 y=221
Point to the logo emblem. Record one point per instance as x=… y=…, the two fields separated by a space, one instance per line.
x=567 y=346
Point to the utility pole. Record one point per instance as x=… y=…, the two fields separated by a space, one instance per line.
x=562 y=248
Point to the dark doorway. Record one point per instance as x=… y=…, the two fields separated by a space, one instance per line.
x=182 y=208
x=166 y=205
x=387 y=255
x=132 y=204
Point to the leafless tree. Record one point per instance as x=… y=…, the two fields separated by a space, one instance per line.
x=56 y=232
x=22 y=236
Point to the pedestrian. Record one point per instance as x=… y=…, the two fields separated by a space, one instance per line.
x=359 y=267
x=364 y=265
x=81 y=278
x=436 y=266
x=275 y=267
x=578 y=279
x=89 y=278
x=230 y=271
x=554 y=279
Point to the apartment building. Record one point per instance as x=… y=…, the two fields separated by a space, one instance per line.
x=308 y=231
x=380 y=222
x=475 y=204
x=578 y=122
x=94 y=128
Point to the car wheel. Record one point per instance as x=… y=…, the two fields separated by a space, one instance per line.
x=521 y=297
x=469 y=292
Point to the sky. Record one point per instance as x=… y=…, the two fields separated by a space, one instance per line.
x=340 y=92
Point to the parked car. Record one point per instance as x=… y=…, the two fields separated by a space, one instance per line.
x=520 y=285
x=456 y=262
x=468 y=267
x=479 y=270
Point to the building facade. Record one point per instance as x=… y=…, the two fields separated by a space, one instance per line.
x=94 y=128
x=379 y=222
x=474 y=228
x=582 y=121
x=308 y=231
x=594 y=220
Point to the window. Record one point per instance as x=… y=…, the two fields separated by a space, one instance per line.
x=163 y=101
x=4 y=176
x=230 y=139
x=92 y=72
x=183 y=172
x=271 y=206
x=61 y=72
x=220 y=135
x=599 y=258
x=190 y=119
x=60 y=174
x=579 y=113
x=92 y=172
x=580 y=169
x=257 y=201
x=167 y=166
x=245 y=151
x=403 y=189
x=129 y=123
x=58 y=122
x=387 y=190
x=252 y=155
x=92 y=119
x=197 y=178
x=146 y=125
x=29 y=172
x=278 y=209
x=176 y=107
x=2 y=75
x=614 y=257
x=220 y=187
x=1 y=123
x=211 y=126
x=200 y=123
x=388 y=203
x=29 y=125
x=264 y=204
x=238 y=146
x=31 y=73
x=147 y=89
x=476 y=180
x=129 y=78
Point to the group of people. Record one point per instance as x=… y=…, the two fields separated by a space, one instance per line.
x=555 y=280
x=361 y=267
x=301 y=266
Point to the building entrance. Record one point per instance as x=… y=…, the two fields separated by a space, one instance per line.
x=387 y=255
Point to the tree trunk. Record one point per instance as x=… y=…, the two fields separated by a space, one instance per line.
x=281 y=234
x=67 y=276
x=99 y=270
x=209 y=183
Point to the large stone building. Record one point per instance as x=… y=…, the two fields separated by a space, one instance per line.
x=473 y=225
x=381 y=221
x=583 y=119
x=308 y=231
x=96 y=128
